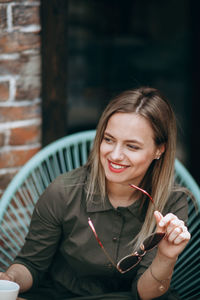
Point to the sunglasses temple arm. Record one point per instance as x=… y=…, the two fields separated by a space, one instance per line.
x=143 y=191
x=100 y=243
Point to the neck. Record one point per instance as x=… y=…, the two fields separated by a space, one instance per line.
x=121 y=195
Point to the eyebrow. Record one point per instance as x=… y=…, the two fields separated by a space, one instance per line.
x=127 y=141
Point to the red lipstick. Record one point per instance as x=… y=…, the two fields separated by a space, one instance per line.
x=116 y=168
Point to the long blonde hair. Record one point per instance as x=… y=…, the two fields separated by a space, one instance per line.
x=158 y=181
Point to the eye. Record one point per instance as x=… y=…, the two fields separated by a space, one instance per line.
x=133 y=147
x=107 y=139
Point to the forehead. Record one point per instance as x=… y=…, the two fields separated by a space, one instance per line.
x=129 y=126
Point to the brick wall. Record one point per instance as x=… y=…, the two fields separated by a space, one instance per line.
x=20 y=86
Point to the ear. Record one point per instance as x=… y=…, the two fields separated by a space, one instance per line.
x=160 y=151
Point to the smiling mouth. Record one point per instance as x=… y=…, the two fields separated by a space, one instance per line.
x=116 y=167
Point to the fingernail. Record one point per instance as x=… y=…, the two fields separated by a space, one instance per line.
x=161 y=223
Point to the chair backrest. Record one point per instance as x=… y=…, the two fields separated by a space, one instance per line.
x=186 y=277
x=65 y=154
x=18 y=200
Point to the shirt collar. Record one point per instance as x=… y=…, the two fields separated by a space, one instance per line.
x=97 y=205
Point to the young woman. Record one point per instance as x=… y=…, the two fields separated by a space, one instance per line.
x=89 y=234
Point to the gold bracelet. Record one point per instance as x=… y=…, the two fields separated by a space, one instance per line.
x=162 y=282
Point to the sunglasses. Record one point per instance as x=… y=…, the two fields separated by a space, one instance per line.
x=130 y=261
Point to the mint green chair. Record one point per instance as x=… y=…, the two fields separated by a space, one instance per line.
x=65 y=154
x=186 y=277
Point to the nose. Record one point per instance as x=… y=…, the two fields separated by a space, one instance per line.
x=117 y=153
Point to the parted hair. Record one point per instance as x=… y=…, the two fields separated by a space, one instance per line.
x=159 y=178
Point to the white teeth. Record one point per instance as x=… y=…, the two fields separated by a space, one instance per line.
x=116 y=166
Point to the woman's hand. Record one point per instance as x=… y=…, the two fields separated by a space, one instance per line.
x=19 y=274
x=177 y=235
x=4 y=276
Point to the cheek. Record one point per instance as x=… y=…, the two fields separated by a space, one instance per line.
x=143 y=159
x=104 y=149
x=102 y=153
x=101 y=149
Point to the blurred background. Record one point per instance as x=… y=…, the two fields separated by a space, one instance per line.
x=115 y=45
x=90 y=50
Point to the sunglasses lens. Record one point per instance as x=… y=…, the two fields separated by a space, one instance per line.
x=128 y=262
x=153 y=240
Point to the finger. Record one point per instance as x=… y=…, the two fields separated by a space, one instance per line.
x=4 y=276
x=158 y=216
x=166 y=219
x=177 y=232
x=183 y=237
x=174 y=234
x=175 y=223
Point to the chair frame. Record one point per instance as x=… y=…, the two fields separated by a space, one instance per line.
x=61 y=156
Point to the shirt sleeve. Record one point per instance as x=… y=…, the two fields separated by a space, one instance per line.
x=44 y=233
x=178 y=205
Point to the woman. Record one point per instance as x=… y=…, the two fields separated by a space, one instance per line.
x=89 y=219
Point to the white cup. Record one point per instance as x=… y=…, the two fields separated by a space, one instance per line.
x=8 y=290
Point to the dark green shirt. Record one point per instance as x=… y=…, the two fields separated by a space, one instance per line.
x=60 y=242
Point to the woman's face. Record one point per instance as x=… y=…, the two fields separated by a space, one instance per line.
x=127 y=148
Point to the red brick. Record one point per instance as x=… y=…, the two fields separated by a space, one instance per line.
x=28 y=93
x=20 y=1
x=3 y=18
x=5 y=1
x=18 y=41
x=15 y=67
x=25 y=135
x=5 y=179
x=16 y=158
x=2 y=139
x=25 y=15
x=9 y=114
x=28 y=85
x=11 y=67
x=28 y=1
x=4 y=90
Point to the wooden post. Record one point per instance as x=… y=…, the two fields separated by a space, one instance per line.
x=194 y=160
x=54 y=15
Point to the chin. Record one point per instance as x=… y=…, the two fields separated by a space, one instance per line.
x=115 y=179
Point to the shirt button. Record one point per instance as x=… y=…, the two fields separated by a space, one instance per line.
x=114 y=239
